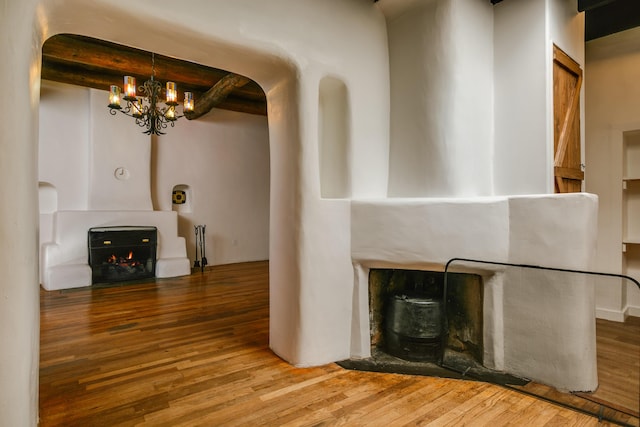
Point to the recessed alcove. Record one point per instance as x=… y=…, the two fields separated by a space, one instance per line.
x=333 y=138
x=47 y=198
x=181 y=199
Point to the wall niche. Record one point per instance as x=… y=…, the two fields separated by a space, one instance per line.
x=181 y=199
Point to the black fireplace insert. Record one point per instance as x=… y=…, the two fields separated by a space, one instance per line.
x=123 y=253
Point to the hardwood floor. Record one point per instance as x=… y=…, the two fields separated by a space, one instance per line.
x=194 y=351
x=618 y=347
x=618 y=392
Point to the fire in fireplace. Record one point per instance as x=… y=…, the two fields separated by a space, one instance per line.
x=125 y=253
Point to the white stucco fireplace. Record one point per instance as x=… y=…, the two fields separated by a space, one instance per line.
x=64 y=259
x=106 y=183
x=425 y=234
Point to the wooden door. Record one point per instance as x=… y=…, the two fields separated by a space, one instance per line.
x=567 y=80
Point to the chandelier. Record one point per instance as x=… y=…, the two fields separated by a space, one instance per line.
x=146 y=109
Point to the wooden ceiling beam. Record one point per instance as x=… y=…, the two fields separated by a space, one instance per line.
x=235 y=101
x=216 y=95
x=98 y=64
x=97 y=78
x=126 y=61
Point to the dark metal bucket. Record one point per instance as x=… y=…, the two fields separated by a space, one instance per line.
x=413 y=328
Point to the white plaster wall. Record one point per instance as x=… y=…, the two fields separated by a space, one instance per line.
x=117 y=143
x=80 y=147
x=19 y=291
x=324 y=240
x=63 y=151
x=423 y=233
x=521 y=153
x=471 y=122
x=612 y=93
x=537 y=320
x=223 y=158
x=417 y=158
x=471 y=94
x=536 y=231
x=334 y=138
x=441 y=61
x=539 y=327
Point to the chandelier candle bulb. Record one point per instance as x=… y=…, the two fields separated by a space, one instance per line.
x=129 y=87
x=170 y=114
x=146 y=109
x=172 y=94
x=188 y=101
x=136 y=108
x=114 y=97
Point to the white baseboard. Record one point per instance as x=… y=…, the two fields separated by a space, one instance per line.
x=632 y=311
x=617 y=315
x=613 y=315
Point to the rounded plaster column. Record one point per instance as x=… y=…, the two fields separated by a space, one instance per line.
x=19 y=290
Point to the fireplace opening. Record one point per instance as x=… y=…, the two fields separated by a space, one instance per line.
x=119 y=254
x=412 y=319
x=421 y=326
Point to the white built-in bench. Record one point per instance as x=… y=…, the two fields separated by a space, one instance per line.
x=64 y=258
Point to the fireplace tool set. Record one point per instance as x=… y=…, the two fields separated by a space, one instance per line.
x=200 y=242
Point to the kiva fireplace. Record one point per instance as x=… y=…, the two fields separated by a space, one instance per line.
x=125 y=253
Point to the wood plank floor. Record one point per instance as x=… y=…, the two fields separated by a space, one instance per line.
x=194 y=351
x=618 y=392
x=618 y=347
